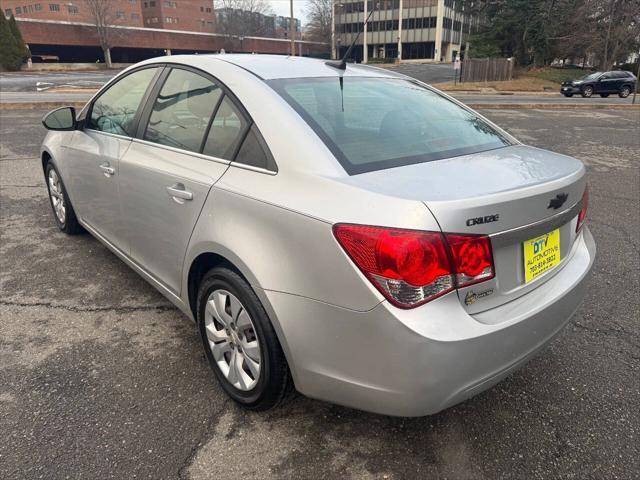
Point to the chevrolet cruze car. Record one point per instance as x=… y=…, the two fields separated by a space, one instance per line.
x=351 y=233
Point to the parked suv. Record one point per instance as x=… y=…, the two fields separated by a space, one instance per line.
x=602 y=83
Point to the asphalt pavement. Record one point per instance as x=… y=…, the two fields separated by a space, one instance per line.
x=101 y=378
x=29 y=81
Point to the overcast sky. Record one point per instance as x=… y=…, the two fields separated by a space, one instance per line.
x=281 y=7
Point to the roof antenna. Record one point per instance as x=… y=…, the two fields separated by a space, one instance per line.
x=342 y=64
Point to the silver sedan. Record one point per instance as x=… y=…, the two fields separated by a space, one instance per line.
x=353 y=234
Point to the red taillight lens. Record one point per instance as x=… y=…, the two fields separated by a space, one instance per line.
x=583 y=212
x=412 y=267
x=472 y=258
x=409 y=267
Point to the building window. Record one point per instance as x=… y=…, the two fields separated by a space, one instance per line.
x=133 y=1
x=135 y=16
x=208 y=9
x=37 y=7
x=53 y=7
x=120 y=14
x=152 y=4
x=18 y=10
x=72 y=9
x=7 y=12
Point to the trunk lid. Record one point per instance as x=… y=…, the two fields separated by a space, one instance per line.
x=513 y=194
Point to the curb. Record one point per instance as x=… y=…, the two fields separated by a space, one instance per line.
x=553 y=106
x=499 y=93
x=476 y=106
x=40 y=105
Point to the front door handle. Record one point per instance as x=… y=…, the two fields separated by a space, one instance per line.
x=107 y=169
x=179 y=193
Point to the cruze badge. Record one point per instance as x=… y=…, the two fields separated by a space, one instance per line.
x=480 y=220
x=558 y=201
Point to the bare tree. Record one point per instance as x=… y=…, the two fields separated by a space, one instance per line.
x=104 y=18
x=319 y=23
x=239 y=18
x=616 y=25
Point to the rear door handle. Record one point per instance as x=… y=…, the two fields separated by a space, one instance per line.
x=179 y=193
x=107 y=169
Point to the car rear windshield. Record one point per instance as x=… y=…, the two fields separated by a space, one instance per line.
x=374 y=123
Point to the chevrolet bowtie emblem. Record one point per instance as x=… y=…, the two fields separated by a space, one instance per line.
x=558 y=201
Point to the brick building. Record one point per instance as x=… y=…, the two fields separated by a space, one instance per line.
x=63 y=30
x=188 y=15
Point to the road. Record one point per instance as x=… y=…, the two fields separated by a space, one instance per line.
x=21 y=88
x=101 y=378
x=471 y=99
x=27 y=82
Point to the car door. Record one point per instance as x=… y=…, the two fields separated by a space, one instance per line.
x=93 y=154
x=620 y=78
x=606 y=84
x=187 y=136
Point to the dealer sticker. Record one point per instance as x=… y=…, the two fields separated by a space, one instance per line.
x=541 y=254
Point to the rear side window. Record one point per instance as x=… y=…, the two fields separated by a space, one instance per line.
x=115 y=110
x=182 y=111
x=375 y=123
x=226 y=131
x=253 y=153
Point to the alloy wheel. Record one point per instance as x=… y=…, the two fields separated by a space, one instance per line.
x=57 y=196
x=624 y=93
x=232 y=339
x=588 y=91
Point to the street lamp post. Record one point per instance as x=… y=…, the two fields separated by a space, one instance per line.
x=292 y=31
x=400 y=32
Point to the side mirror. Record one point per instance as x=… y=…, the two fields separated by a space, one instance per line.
x=60 y=119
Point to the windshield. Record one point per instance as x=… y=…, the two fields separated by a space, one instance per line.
x=591 y=76
x=373 y=123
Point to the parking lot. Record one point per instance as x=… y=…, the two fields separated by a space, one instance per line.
x=100 y=377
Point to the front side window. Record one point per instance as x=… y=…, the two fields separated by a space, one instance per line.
x=374 y=123
x=182 y=111
x=115 y=110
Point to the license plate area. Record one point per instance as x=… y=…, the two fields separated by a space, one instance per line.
x=541 y=254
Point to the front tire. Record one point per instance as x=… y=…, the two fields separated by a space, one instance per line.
x=624 y=92
x=240 y=343
x=587 y=91
x=63 y=212
x=568 y=95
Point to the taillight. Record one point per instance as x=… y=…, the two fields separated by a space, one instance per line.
x=472 y=257
x=412 y=267
x=583 y=212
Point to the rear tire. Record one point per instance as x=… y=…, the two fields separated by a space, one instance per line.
x=624 y=92
x=63 y=212
x=239 y=340
x=568 y=95
x=604 y=95
x=587 y=91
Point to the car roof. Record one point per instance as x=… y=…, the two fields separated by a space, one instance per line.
x=270 y=67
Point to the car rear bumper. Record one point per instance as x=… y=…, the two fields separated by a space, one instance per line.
x=420 y=361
